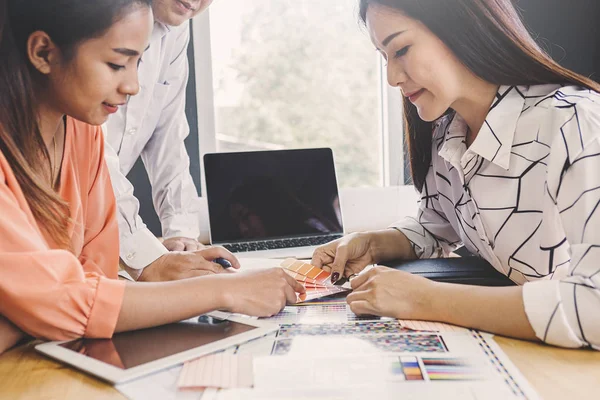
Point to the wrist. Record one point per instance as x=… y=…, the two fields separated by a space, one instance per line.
x=387 y=244
x=152 y=272
x=223 y=293
x=436 y=302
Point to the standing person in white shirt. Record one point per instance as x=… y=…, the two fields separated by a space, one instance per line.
x=505 y=151
x=153 y=125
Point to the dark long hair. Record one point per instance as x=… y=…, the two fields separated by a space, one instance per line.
x=68 y=23
x=490 y=39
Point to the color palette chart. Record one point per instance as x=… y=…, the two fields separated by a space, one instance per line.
x=316 y=281
x=408 y=367
x=351 y=328
x=450 y=369
x=373 y=336
x=416 y=368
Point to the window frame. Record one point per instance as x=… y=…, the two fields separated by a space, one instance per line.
x=391 y=125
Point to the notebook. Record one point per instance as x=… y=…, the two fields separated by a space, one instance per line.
x=273 y=204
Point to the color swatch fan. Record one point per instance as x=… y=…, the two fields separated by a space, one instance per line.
x=316 y=281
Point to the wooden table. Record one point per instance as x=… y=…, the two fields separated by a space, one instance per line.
x=555 y=373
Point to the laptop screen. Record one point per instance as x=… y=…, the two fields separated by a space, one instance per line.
x=271 y=194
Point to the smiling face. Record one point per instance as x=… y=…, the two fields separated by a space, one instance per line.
x=176 y=12
x=418 y=62
x=102 y=73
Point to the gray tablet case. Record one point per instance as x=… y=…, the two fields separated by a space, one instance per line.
x=470 y=270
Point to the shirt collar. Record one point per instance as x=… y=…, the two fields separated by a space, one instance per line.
x=160 y=30
x=495 y=138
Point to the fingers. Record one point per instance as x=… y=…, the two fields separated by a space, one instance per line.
x=322 y=256
x=339 y=262
x=294 y=284
x=357 y=295
x=359 y=302
x=174 y=245
x=205 y=265
x=290 y=295
x=193 y=245
x=361 y=279
x=210 y=253
x=361 y=307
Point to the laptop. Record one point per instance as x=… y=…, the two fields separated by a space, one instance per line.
x=273 y=204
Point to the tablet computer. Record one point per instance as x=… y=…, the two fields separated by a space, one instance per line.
x=129 y=355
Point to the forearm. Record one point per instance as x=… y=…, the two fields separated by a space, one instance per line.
x=9 y=334
x=390 y=244
x=150 y=304
x=493 y=309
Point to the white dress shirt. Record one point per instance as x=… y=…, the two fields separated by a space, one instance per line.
x=526 y=197
x=153 y=125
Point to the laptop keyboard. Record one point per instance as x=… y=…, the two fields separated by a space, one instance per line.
x=281 y=243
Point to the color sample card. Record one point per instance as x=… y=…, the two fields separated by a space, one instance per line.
x=409 y=367
x=318 y=292
x=219 y=370
x=410 y=343
x=350 y=328
x=311 y=314
x=321 y=313
x=316 y=281
x=310 y=272
x=450 y=369
x=430 y=326
x=352 y=337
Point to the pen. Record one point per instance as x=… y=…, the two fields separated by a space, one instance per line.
x=222 y=262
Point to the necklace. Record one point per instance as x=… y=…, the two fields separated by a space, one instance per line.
x=54 y=162
x=53 y=169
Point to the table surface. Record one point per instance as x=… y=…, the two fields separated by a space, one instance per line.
x=555 y=374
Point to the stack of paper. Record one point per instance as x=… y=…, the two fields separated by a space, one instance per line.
x=220 y=370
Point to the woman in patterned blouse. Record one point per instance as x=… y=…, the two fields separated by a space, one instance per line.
x=505 y=152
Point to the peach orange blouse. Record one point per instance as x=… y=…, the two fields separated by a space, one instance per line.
x=58 y=294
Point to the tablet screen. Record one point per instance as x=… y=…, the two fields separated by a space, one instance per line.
x=131 y=349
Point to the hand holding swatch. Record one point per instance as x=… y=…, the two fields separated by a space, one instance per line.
x=316 y=281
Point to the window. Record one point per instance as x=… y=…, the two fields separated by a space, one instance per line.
x=300 y=73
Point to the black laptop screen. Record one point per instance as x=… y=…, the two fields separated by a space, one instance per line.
x=271 y=194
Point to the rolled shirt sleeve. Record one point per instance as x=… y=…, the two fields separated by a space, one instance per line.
x=47 y=295
x=566 y=312
x=430 y=233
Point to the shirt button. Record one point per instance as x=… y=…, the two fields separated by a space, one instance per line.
x=130 y=256
x=131 y=131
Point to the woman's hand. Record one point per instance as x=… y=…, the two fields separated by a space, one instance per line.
x=346 y=256
x=352 y=253
x=390 y=293
x=260 y=293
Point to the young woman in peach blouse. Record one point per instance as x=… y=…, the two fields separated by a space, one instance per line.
x=64 y=67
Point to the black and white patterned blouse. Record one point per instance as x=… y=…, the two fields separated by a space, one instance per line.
x=526 y=197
